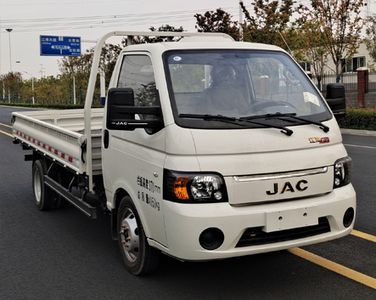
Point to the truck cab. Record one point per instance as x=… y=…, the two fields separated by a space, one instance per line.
x=221 y=149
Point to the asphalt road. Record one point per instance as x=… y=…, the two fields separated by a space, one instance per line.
x=63 y=255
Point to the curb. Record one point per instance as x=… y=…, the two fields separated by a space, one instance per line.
x=358 y=132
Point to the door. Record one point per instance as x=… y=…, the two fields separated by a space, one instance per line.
x=133 y=160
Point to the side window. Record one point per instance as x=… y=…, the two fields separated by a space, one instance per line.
x=137 y=73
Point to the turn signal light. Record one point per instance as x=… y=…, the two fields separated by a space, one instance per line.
x=180 y=188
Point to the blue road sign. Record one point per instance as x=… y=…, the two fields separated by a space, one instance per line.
x=60 y=45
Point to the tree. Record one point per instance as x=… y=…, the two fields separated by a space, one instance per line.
x=341 y=24
x=108 y=59
x=79 y=67
x=11 y=84
x=156 y=39
x=27 y=91
x=312 y=47
x=217 y=21
x=370 y=39
x=50 y=90
x=269 y=21
x=2 y=87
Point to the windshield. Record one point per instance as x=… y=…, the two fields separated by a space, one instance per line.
x=238 y=83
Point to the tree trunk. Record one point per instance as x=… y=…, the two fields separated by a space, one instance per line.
x=319 y=82
x=338 y=75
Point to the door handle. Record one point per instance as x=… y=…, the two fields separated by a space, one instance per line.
x=106 y=138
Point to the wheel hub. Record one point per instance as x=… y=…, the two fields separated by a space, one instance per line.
x=129 y=236
x=37 y=185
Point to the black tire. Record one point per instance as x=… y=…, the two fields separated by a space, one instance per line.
x=138 y=257
x=44 y=198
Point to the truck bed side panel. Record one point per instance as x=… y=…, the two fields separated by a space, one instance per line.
x=59 y=134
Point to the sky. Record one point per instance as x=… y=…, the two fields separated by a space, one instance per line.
x=89 y=19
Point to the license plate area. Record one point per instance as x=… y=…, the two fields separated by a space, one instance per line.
x=288 y=219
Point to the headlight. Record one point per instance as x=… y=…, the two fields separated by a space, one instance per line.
x=342 y=172
x=188 y=187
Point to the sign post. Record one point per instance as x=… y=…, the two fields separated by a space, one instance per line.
x=51 y=45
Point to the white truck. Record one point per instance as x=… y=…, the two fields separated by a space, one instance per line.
x=206 y=149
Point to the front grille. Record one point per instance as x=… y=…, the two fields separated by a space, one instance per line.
x=255 y=236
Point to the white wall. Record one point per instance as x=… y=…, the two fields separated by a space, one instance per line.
x=362 y=51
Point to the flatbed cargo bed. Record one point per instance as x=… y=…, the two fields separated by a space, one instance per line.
x=59 y=134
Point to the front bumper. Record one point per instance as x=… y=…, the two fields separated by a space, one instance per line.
x=185 y=222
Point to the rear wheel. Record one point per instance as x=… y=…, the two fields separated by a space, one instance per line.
x=138 y=257
x=44 y=198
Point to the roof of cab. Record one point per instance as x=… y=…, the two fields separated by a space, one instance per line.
x=196 y=42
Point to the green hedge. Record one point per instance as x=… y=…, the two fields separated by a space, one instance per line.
x=359 y=118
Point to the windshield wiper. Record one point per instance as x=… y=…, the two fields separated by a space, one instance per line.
x=319 y=124
x=251 y=119
x=236 y=121
x=284 y=130
x=282 y=116
x=268 y=116
x=220 y=118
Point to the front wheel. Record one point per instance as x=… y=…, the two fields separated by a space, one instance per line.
x=138 y=257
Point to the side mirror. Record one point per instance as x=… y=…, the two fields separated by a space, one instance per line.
x=121 y=112
x=336 y=98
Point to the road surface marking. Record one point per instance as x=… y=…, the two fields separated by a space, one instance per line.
x=363 y=235
x=360 y=146
x=6 y=133
x=337 y=268
x=5 y=125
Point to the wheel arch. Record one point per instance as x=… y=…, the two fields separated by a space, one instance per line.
x=119 y=194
